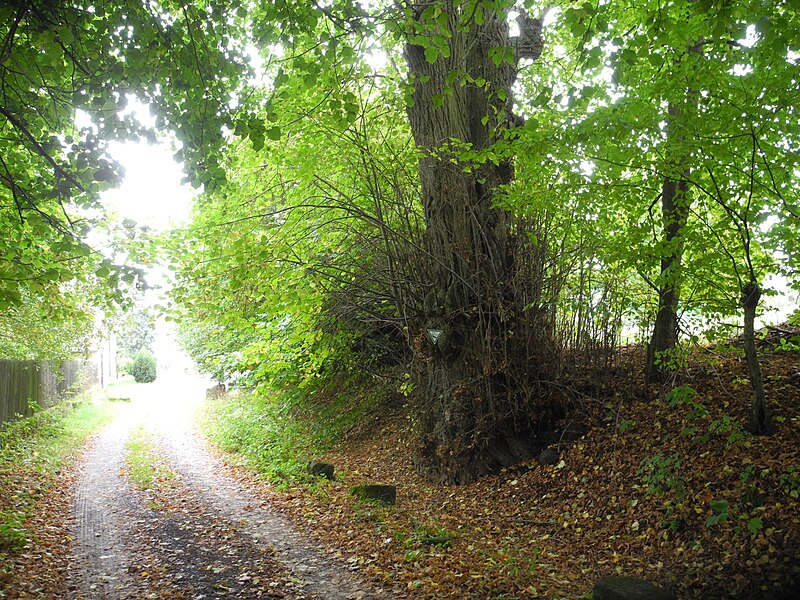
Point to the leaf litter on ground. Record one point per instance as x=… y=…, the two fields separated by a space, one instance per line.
x=633 y=496
x=638 y=494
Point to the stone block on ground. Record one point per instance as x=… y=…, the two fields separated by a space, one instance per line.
x=548 y=456
x=629 y=588
x=216 y=392
x=321 y=469
x=385 y=494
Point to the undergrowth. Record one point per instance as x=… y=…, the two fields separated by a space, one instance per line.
x=279 y=432
x=33 y=450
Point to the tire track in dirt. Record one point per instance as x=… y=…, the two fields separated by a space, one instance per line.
x=103 y=508
x=318 y=574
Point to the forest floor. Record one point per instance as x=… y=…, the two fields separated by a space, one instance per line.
x=663 y=486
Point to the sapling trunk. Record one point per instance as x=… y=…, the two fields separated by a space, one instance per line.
x=761 y=422
x=659 y=366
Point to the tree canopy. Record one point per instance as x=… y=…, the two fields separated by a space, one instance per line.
x=60 y=58
x=469 y=198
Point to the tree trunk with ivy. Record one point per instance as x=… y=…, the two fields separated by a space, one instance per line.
x=675 y=210
x=471 y=422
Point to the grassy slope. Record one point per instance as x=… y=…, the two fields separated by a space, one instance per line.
x=277 y=436
x=678 y=495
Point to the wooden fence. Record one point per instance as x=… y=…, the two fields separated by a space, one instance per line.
x=27 y=384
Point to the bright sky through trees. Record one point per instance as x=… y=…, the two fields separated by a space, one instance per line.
x=152 y=193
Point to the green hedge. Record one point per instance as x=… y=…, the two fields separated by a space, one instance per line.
x=143 y=367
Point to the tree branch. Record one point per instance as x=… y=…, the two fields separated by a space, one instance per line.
x=59 y=170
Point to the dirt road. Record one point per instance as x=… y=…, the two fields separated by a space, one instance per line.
x=202 y=533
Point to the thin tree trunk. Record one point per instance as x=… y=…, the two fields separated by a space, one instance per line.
x=675 y=205
x=675 y=209
x=761 y=422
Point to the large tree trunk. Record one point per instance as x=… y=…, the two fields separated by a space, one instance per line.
x=674 y=214
x=470 y=423
x=761 y=422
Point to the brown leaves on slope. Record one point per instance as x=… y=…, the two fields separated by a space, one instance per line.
x=38 y=570
x=642 y=493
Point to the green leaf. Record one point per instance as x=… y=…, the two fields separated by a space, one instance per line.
x=627 y=56
x=713 y=520
x=755 y=525
x=309 y=80
x=433 y=11
x=431 y=54
x=66 y=36
x=719 y=506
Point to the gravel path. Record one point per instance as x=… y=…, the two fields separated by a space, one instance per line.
x=103 y=509
x=118 y=532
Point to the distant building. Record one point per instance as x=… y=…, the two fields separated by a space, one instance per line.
x=105 y=359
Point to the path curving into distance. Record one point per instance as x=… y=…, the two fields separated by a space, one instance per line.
x=205 y=535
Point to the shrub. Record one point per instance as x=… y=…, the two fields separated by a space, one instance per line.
x=143 y=367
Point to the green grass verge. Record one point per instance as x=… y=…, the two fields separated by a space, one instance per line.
x=32 y=453
x=144 y=464
x=278 y=433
